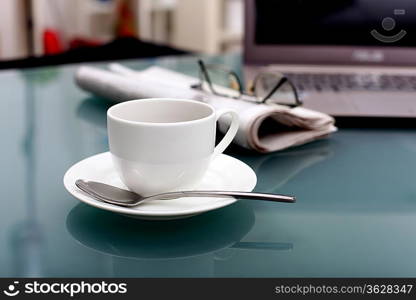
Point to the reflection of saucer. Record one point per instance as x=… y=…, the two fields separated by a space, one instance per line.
x=125 y=237
x=224 y=173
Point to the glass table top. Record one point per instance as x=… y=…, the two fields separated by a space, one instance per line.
x=355 y=215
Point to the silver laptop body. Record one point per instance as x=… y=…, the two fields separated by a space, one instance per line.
x=350 y=58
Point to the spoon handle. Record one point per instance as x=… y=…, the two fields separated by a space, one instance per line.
x=122 y=197
x=241 y=195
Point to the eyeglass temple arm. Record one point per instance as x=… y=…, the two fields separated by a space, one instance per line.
x=295 y=91
x=204 y=72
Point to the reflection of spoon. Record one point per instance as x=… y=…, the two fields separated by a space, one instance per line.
x=124 y=237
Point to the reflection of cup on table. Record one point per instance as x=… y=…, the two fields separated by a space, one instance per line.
x=162 y=144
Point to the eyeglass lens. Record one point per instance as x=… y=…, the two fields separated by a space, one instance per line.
x=223 y=82
x=264 y=85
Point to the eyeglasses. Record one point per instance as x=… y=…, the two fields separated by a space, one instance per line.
x=266 y=87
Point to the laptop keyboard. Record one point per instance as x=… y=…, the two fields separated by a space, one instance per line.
x=348 y=82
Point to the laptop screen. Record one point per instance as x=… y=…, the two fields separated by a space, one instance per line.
x=336 y=22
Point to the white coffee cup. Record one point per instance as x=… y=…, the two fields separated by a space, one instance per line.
x=161 y=144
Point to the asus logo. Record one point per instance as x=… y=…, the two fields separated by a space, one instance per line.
x=368 y=56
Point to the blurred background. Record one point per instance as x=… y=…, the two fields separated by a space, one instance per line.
x=36 y=28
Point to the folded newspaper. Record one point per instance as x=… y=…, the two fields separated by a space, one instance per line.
x=263 y=127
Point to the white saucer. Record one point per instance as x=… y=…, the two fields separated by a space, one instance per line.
x=224 y=173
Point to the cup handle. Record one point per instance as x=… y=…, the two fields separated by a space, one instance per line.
x=231 y=132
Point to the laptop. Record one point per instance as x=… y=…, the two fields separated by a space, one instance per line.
x=347 y=58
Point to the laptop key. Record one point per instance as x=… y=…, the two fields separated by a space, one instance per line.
x=349 y=81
